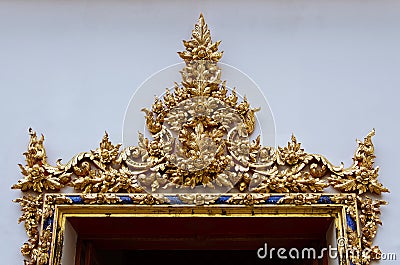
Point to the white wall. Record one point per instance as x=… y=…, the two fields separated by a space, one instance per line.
x=330 y=70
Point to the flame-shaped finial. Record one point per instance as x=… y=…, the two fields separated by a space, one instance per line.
x=200 y=46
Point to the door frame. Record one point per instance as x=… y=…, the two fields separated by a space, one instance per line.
x=341 y=207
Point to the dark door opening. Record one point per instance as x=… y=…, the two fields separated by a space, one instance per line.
x=198 y=240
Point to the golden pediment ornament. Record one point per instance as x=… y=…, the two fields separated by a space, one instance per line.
x=202 y=149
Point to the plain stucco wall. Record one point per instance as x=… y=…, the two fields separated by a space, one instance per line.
x=330 y=70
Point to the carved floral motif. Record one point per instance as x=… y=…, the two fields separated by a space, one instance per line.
x=248 y=199
x=299 y=199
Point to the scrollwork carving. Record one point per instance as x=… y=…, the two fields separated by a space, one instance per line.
x=31 y=207
x=299 y=199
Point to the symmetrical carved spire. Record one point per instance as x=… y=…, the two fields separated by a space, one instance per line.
x=200 y=46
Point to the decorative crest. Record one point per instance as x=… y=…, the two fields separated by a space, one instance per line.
x=201 y=146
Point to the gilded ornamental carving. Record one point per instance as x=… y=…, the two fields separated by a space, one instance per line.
x=202 y=140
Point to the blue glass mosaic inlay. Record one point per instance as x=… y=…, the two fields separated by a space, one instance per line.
x=325 y=200
x=350 y=222
x=174 y=200
x=125 y=199
x=222 y=199
x=48 y=222
x=76 y=199
x=273 y=199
